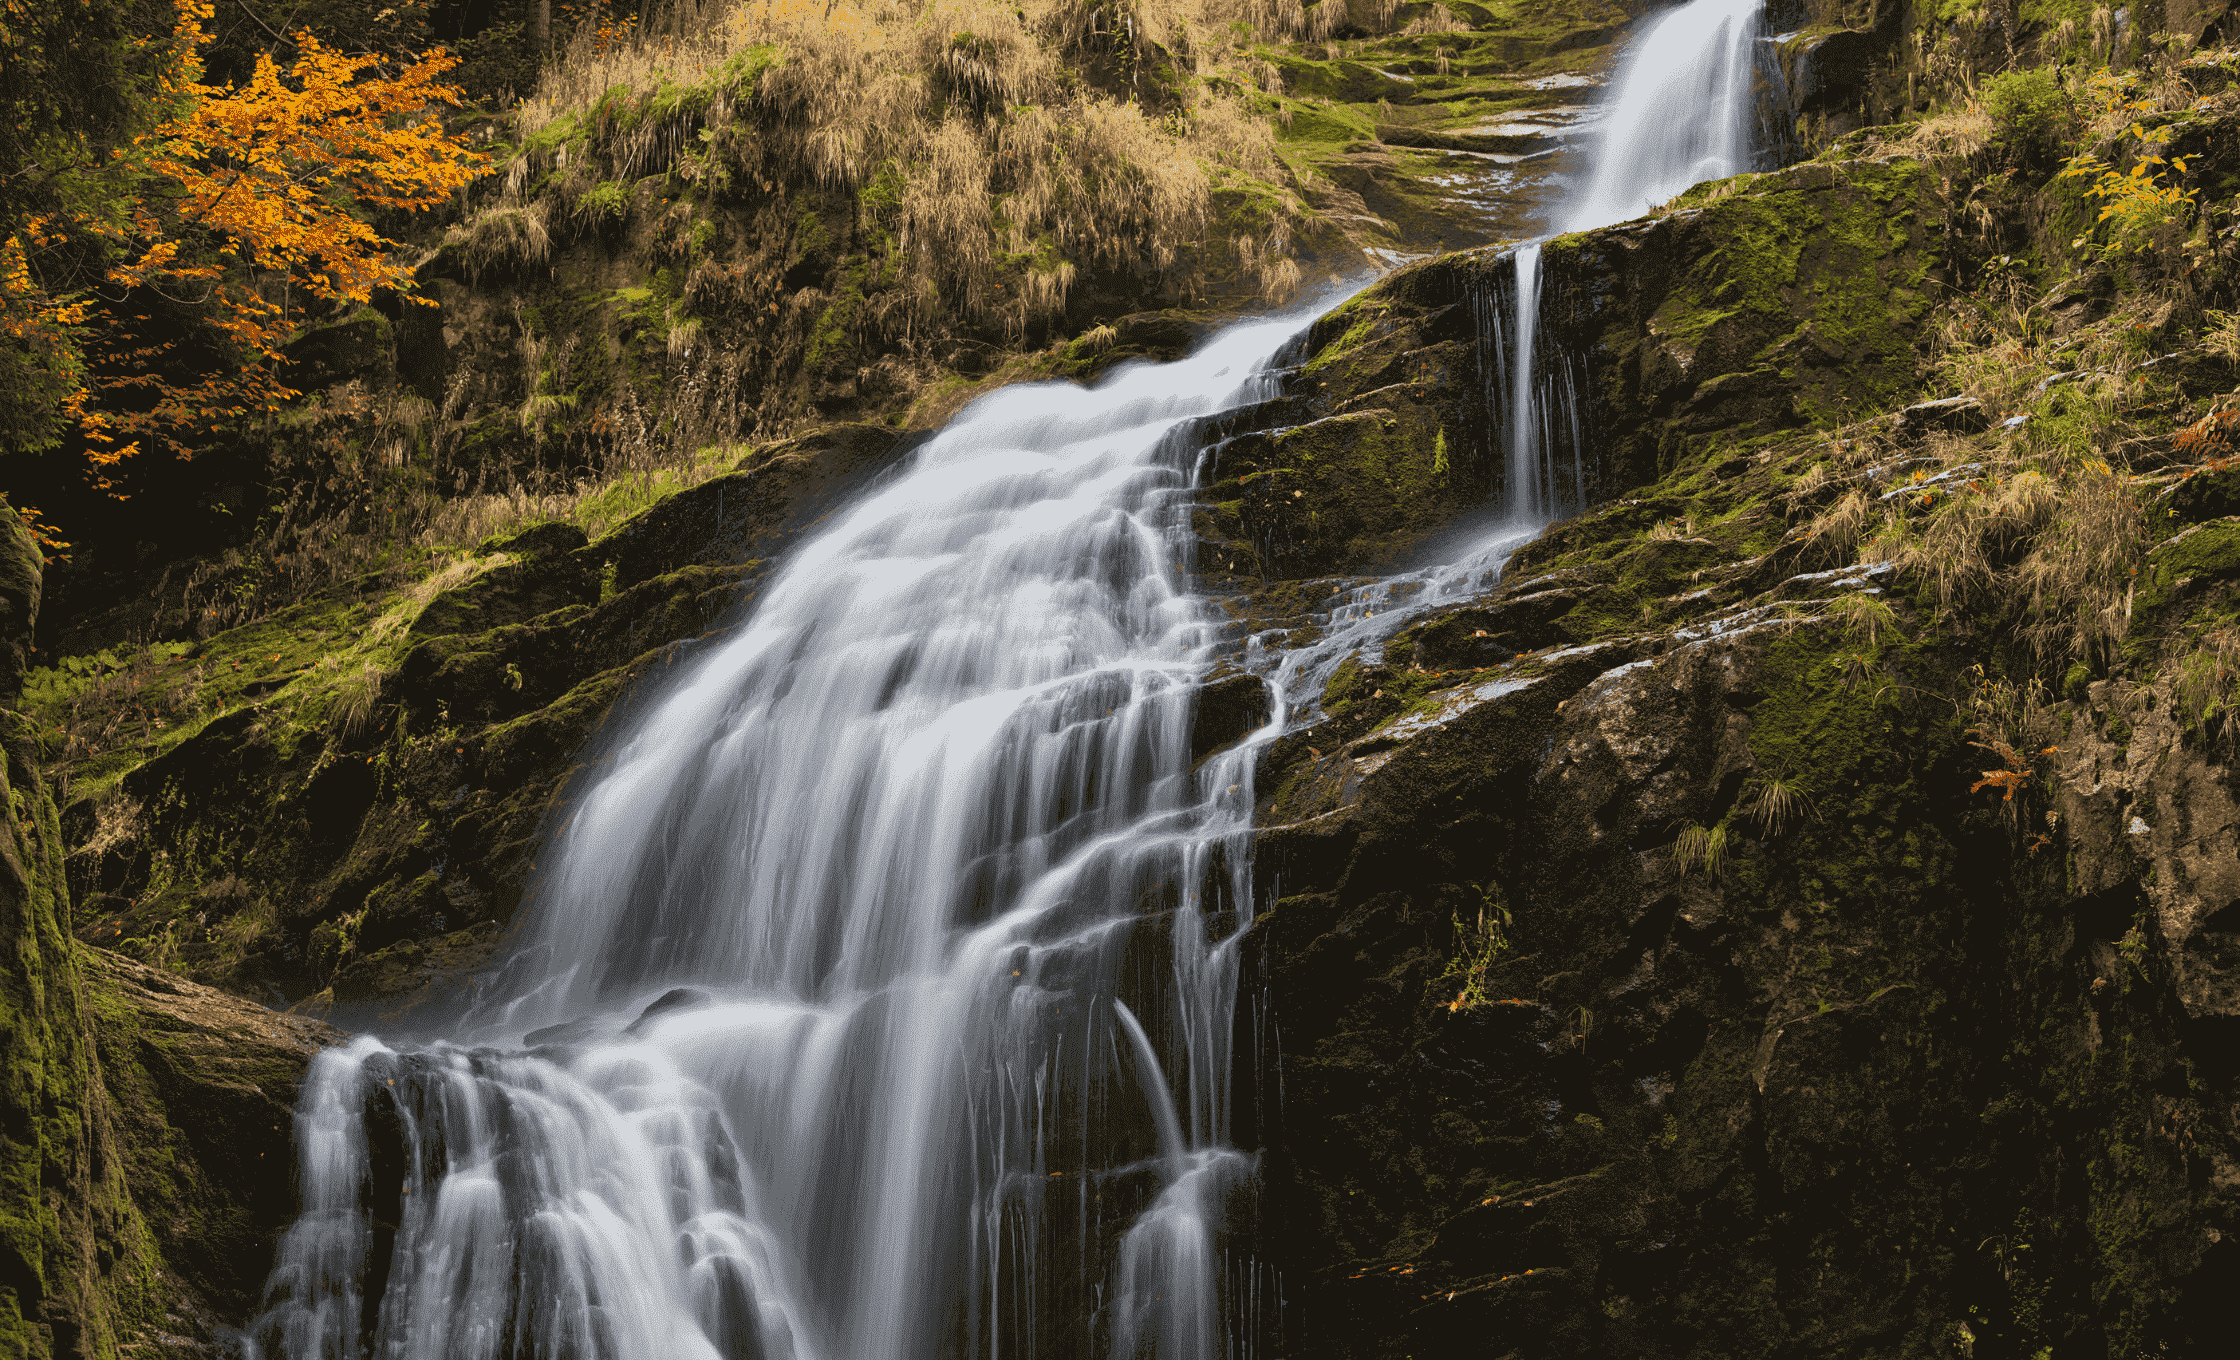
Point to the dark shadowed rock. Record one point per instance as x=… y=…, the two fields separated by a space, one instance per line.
x=1228 y=709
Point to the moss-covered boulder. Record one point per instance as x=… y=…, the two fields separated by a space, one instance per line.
x=1753 y=307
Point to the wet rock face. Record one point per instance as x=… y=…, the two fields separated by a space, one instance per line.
x=204 y=1088
x=2157 y=828
x=1762 y=305
x=1653 y=971
x=1671 y=994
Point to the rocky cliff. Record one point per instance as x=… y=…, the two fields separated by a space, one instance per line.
x=1793 y=912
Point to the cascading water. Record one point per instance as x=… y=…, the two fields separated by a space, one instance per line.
x=879 y=1001
x=1681 y=110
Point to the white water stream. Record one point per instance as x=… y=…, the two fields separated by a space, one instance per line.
x=879 y=1001
x=880 y=998
x=1682 y=109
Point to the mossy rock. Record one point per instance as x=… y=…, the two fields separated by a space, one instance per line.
x=359 y=349
x=514 y=593
x=2205 y=496
x=1347 y=490
x=2196 y=558
x=553 y=539
x=1757 y=305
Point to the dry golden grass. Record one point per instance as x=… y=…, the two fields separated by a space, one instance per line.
x=1865 y=614
x=1838 y=534
x=1959 y=132
x=2037 y=523
x=1700 y=849
x=350 y=710
x=1010 y=174
x=595 y=504
x=1775 y=802
x=2045 y=541
x=1439 y=20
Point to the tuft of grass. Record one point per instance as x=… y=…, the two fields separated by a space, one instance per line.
x=2222 y=336
x=511 y=234
x=1700 y=849
x=1837 y=534
x=1477 y=944
x=352 y=700
x=1775 y=802
x=1865 y=613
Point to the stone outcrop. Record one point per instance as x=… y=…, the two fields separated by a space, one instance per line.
x=1742 y=1076
x=1657 y=967
x=1755 y=306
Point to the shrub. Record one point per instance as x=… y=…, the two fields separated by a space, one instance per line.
x=2033 y=116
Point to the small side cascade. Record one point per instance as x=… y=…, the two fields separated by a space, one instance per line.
x=1682 y=109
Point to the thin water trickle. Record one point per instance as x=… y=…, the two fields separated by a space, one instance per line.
x=1681 y=109
x=879 y=1003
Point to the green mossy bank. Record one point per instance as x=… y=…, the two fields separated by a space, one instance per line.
x=1660 y=969
x=146 y=1157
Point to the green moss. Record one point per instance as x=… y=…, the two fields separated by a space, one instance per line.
x=744 y=69
x=1344 y=685
x=1833 y=721
x=1825 y=277
x=605 y=203
x=568 y=129
x=73 y=1249
x=2208 y=552
x=1327 y=124
x=1356 y=335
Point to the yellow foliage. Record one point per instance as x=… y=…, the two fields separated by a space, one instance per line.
x=247 y=198
x=2143 y=199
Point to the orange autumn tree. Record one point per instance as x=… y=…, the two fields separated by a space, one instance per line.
x=246 y=208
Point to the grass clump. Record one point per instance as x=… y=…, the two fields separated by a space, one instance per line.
x=1700 y=849
x=1478 y=944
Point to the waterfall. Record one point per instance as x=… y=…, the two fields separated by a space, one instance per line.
x=878 y=1000
x=1681 y=110
x=879 y=996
